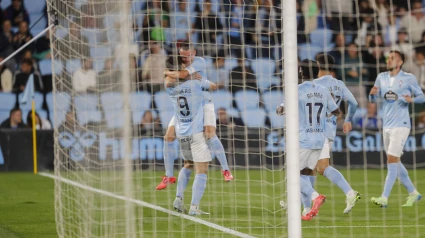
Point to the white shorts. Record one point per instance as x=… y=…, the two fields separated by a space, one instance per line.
x=209 y=116
x=326 y=150
x=394 y=140
x=309 y=158
x=195 y=148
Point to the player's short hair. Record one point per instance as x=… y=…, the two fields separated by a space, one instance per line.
x=326 y=62
x=402 y=57
x=186 y=45
x=173 y=63
x=308 y=69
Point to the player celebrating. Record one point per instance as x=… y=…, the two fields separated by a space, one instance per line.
x=187 y=98
x=397 y=89
x=193 y=65
x=340 y=92
x=313 y=102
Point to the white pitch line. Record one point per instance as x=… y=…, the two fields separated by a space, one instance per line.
x=145 y=204
x=327 y=227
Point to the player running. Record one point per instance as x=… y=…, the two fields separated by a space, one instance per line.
x=313 y=102
x=397 y=89
x=339 y=92
x=187 y=98
x=193 y=65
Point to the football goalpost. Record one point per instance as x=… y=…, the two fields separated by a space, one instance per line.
x=111 y=112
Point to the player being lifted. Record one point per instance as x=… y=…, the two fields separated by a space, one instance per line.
x=397 y=89
x=340 y=92
x=313 y=103
x=187 y=99
x=193 y=65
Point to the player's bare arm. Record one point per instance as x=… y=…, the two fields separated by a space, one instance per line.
x=213 y=87
x=374 y=90
x=336 y=112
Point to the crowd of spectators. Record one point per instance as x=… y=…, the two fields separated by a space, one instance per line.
x=232 y=35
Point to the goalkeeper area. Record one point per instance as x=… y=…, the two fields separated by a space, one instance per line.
x=259 y=215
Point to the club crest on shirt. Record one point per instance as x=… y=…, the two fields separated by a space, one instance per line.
x=390 y=96
x=400 y=83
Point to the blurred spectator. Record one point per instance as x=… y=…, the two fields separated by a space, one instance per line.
x=6 y=77
x=340 y=12
x=414 y=22
x=235 y=35
x=368 y=27
x=242 y=77
x=108 y=79
x=382 y=8
x=42 y=47
x=22 y=37
x=135 y=73
x=403 y=45
x=311 y=10
x=352 y=72
x=27 y=54
x=375 y=63
x=421 y=44
x=217 y=73
x=16 y=13
x=156 y=18
x=391 y=30
x=90 y=13
x=208 y=27
x=6 y=42
x=40 y=123
x=22 y=76
x=370 y=120
x=14 y=121
x=149 y=125
x=224 y=119
x=339 y=50
x=302 y=30
x=418 y=69
x=267 y=32
x=84 y=79
x=182 y=21
x=70 y=124
x=73 y=45
x=153 y=69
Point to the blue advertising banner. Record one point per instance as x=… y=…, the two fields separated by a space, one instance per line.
x=244 y=147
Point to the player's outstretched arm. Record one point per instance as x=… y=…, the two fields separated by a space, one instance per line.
x=336 y=112
x=177 y=74
x=213 y=86
x=170 y=82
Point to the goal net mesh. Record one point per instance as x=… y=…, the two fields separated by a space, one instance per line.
x=111 y=112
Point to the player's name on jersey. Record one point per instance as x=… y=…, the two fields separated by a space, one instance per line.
x=314 y=130
x=182 y=91
x=335 y=88
x=315 y=94
x=186 y=120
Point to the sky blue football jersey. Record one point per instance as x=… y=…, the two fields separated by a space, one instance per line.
x=199 y=66
x=340 y=92
x=187 y=99
x=391 y=91
x=313 y=103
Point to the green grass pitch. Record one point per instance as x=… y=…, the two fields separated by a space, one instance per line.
x=27 y=207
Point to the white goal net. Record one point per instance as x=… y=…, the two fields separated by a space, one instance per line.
x=111 y=112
